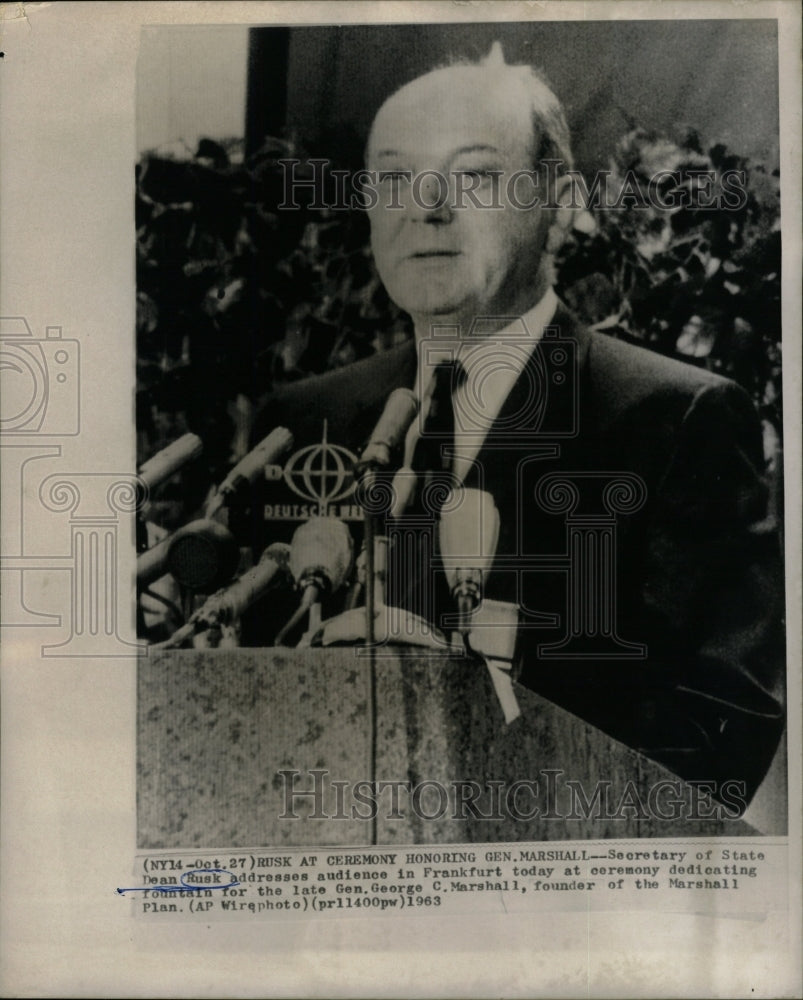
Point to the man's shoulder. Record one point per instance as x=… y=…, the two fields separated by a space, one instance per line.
x=618 y=360
x=347 y=398
x=625 y=389
x=624 y=377
x=628 y=370
x=382 y=366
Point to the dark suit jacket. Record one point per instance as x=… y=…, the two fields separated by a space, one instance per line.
x=698 y=579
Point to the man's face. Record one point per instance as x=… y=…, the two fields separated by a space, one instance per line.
x=460 y=260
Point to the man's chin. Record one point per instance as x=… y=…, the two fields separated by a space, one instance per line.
x=433 y=316
x=435 y=309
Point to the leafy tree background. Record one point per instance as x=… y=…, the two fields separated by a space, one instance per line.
x=235 y=295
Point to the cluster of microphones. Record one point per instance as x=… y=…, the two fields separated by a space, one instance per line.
x=203 y=556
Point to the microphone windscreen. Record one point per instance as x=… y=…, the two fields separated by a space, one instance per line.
x=322 y=545
x=203 y=556
x=468 y=533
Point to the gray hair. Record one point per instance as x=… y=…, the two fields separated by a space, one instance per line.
x=529 y=89
x=546 y=112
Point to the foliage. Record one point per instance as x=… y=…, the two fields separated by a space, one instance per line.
x=701 y=283
x=236 y=293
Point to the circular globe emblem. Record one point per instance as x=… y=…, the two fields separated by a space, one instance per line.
x=321 y=472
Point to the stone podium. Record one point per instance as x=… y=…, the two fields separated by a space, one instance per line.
x=226 y=737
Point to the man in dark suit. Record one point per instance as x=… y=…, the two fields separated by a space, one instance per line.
x=634 y=544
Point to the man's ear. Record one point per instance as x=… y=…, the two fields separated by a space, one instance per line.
x=562 y=214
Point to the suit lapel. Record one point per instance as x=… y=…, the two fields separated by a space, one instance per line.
x=542 y=413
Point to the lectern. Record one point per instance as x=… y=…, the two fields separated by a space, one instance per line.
x=273 y=747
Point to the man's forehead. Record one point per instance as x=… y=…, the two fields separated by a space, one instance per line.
x=459 y=108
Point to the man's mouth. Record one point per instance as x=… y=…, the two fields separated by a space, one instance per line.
x=429 y=254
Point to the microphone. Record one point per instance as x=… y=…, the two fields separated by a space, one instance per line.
x=248 y=468
x=165 y=463
x=202 y=556
x=400 y=411
x=321 y=553
x=229 y=604
x=468 y=536
x=152 y=564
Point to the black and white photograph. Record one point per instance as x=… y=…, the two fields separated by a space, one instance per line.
x=459 y=390
x=400 y=441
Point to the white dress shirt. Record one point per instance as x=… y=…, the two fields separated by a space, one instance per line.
x=492 y=365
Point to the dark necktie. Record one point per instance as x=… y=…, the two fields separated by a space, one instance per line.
x=432 y=451
x=412 y=584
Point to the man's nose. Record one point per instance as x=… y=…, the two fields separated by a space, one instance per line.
x=430 y=197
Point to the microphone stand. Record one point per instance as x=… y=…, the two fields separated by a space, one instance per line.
x=309 y=599
x=369 y=536
x=371 y=539
x=370 y=603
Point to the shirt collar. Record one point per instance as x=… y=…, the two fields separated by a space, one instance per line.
x=492 y=366
x=525 y=330
x=446 y=344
